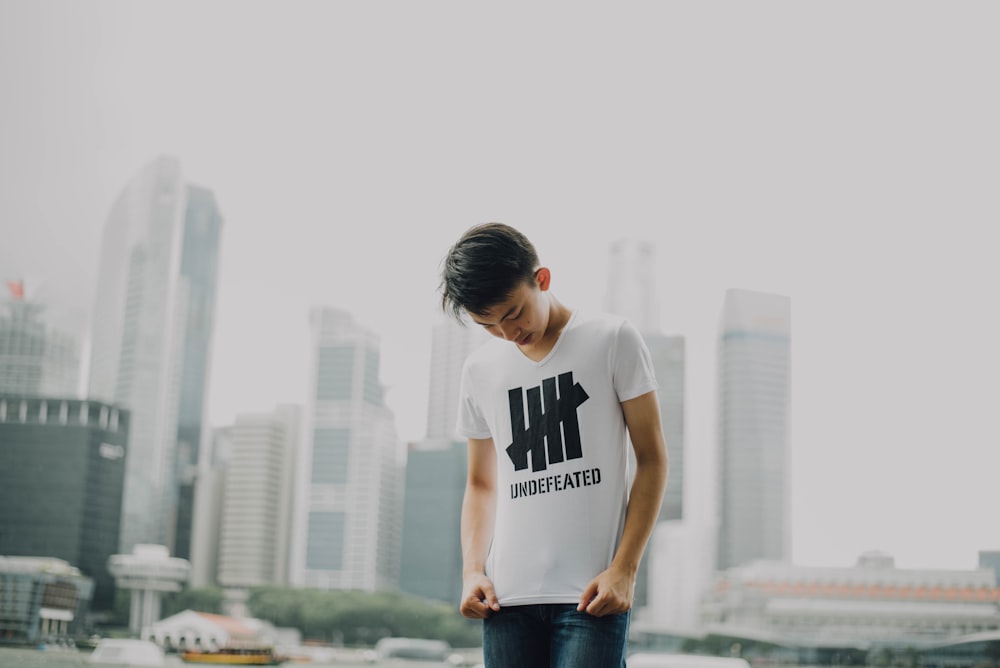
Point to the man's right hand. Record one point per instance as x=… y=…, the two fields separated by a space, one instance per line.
x=478 y=597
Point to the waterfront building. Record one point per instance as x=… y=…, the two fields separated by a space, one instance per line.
x=42 y=598
x=255 y=527
x=753 y=416
x=153 y=316
x=148 y=572
x=347 y=522
x=870 y=604
x=62 y=471
x=435 y=488
x=192 y=630
x=35 y=358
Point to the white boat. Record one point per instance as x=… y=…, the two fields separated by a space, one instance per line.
x=121 y=652
x=654 y=660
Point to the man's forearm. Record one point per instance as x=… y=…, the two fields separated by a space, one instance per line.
x=478 y=508
x=643 y=511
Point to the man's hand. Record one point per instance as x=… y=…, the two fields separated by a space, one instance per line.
x=478 y=597
x=610 y=593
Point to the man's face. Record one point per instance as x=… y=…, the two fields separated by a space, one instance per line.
x=522 y=318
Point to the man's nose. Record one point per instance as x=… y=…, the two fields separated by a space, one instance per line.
x=508 y=330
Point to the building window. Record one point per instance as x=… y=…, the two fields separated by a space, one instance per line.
x=325 y=542
x=335 y=373
x=331 y=447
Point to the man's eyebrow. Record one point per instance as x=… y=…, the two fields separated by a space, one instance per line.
x=506 y=315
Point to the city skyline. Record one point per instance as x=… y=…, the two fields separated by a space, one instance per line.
x=755 y=152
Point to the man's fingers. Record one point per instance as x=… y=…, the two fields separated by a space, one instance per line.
x=587 y=597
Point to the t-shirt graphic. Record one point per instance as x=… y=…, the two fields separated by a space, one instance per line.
x=553 y=423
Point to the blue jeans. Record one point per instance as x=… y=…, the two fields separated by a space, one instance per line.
x=553 y=635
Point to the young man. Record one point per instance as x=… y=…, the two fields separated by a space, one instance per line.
x=551 y=533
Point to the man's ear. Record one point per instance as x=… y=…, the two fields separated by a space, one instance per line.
x=543 y=278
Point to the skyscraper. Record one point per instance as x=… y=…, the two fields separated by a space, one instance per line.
x=451 y=343
x=62 y=468
x=753 y=417
x=347 y=518
x=153 y=318
x=35 y=359
x=632 y=294
x=256 y=508
x=435 y=488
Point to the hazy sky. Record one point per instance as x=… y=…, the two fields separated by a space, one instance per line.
x=844 y=154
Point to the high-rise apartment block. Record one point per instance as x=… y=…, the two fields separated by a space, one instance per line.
x=256 y=516
x=153 y=316
x=62 y=469
x=753 y=383
x=348 y=508
x=35 y=358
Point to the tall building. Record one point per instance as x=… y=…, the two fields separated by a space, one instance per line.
x=198 y=273
x=255 y=529
x=347 y=519
x=35 y=358
x=62 y=470
x=632 y=294
x=632 y=283
x=753 y=383
x=153 y=317
x=451 y=343
x=213 y=463
x=435 y=488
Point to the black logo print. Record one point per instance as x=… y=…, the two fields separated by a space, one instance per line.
x=543 y=424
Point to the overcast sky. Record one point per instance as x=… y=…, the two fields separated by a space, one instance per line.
x=843 y=154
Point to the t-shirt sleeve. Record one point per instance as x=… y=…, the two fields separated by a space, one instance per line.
x=632 y=364
x=471 y=423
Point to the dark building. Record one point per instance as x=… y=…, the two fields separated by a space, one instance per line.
x=199 y=267
x=62 y=470
x=432 y=510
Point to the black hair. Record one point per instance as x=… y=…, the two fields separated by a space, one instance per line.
x=484 y=267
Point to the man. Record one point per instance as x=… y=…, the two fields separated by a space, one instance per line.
x=551 y=533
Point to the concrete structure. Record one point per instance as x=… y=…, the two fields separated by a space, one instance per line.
x=753 y=416
x=62 y=471
x=213 y=463
x=873 y=603
x=149 y=572
x=153 y=317
x=35 y=358
x=256 y=509
x=41 y=598
x=990 y=559
x=348 y=509
x=432 y=512
x=679 y=573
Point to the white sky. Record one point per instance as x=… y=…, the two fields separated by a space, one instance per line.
x=843 y=154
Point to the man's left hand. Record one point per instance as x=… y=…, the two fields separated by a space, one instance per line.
x=610 y=593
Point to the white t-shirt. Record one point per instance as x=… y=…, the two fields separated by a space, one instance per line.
x=562 y=483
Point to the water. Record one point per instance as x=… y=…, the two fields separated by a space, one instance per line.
x=31 y=658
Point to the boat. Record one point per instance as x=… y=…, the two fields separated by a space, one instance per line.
x=234 y=656
x=113 y=652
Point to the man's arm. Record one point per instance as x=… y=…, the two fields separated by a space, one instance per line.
x=478 y=515
x=612 y=591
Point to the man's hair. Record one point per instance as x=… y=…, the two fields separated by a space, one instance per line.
x=484 y=267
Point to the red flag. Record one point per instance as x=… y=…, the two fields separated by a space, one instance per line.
x=16 y=289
